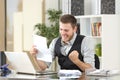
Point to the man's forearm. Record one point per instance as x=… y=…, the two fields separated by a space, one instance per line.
x=41 y=64
x=82 y=65
x=74 y=58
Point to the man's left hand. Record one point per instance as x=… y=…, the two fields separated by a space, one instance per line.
x=73 y=56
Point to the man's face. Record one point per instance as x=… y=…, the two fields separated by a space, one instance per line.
x=66 y=31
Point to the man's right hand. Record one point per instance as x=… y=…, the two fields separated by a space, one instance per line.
x=42 y=65
x=33 y=51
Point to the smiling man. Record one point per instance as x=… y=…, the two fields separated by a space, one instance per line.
x=74 y=51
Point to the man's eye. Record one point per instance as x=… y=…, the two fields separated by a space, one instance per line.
x=66 y=30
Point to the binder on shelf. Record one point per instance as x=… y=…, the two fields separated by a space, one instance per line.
x=96 y=29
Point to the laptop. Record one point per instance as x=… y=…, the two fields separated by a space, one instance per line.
x=24 y=63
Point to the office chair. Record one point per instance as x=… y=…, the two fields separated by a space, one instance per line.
x=97 y=62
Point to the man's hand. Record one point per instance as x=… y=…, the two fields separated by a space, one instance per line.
x=33 y=51
x=73 y=56
x=42 y=65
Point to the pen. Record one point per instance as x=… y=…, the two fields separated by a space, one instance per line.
x=4 y=70
x=4 y=66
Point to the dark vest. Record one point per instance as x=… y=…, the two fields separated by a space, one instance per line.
x=64 y=61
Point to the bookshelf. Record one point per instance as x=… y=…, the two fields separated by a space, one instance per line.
x=109 y=37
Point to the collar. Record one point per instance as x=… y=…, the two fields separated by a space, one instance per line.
x=71 y=41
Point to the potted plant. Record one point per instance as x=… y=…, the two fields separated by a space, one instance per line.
x=51 y=31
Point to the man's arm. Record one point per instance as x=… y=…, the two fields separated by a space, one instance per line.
x=74 y=58
x=87 y=51
x=42 y=65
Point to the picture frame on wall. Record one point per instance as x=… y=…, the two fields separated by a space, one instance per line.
x=74 y=7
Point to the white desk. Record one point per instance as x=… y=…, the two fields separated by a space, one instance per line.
x=54 y=77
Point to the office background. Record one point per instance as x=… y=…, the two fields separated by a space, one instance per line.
x=18 y=18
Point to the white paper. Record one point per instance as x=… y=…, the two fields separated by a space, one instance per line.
x=63 y=74
x=43 y=51
x=102 y=72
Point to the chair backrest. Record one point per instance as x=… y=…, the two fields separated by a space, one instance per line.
x=78 y=28
x=97 y=62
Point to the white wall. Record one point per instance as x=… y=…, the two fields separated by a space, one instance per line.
x=18 y=31
x=92 y=7
x=50 y=4
x=111 y=42
x=32 y=14
x=117 y=9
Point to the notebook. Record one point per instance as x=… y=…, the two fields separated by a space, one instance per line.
x=23 y=62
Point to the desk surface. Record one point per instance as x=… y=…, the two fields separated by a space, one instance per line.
x=55 y=77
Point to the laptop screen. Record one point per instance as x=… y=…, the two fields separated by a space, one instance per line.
x=21 y=62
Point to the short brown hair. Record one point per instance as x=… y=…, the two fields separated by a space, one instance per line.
x=67 y=18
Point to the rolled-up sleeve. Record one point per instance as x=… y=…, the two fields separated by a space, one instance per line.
x=87 y=50
x=52 y=47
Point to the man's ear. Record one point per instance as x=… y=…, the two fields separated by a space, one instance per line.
x=75 y=28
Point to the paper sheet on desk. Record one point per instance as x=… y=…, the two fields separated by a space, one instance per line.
x=43 y=51
x=102 y=72
x=69 y=74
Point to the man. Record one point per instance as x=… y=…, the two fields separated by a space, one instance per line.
x=74 y=51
